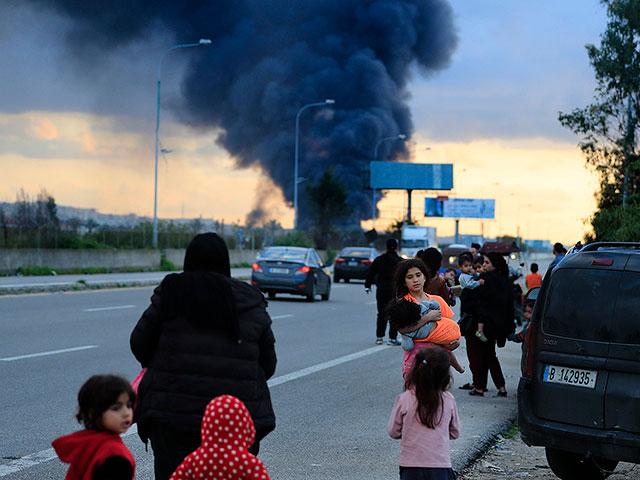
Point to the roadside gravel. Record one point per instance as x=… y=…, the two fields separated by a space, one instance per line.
x=510 y=457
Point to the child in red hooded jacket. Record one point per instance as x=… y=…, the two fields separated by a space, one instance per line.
x=105 y=408
x=227 y=431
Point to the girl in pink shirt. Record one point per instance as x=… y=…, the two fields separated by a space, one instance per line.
x=425 y=418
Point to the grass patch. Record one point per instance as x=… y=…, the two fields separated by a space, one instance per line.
x=511 y=431
x=241 y=265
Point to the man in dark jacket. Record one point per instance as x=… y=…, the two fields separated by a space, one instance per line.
x=381 y=273
x=205 y=334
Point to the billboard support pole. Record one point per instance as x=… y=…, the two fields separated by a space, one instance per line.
x=457 y=230
x=373 y=209
x=409 y=205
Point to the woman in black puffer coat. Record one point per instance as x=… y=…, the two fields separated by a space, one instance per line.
x=205 y=334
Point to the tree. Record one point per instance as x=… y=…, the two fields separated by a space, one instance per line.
x=608 y=126
x=328 y=202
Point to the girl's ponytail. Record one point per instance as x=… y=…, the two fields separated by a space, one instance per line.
x=428 y=378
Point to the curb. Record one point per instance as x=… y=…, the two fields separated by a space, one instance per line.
x=81 y=286
x=466 y=460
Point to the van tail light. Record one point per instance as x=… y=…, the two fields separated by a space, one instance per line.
x=339 y=260
x=256 y=268
x=366 y=262
x=526 y=364
x=304 y=269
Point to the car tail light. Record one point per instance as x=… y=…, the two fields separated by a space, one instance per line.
x=256 y=267
x=526 y=365
x=304 y=269
x=366 y=262
x=602 y=262
x=339 y=260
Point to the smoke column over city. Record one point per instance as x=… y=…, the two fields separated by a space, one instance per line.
x=268 y=58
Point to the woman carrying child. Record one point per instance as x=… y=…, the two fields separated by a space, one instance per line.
x=425 y=418
x=495 y=311
x=105 y=408
x=411 y=276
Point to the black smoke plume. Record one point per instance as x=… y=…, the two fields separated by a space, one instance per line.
x=268 y=58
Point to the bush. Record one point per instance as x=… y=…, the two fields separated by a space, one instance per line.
x=167 y=265
x=331 y=254
x=34 y=271
x=293 y=239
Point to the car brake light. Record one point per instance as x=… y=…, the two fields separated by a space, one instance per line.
x=526 y=366
x=339 y=260
x=257 y=267
x=366 y=262
x=603 y=262
x=304 y=269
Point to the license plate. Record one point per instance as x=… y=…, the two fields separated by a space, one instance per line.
x=570 y=376
x=279 y=270
x=353 y=264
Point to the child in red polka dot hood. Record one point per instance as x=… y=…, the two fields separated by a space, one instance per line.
x=227 y=432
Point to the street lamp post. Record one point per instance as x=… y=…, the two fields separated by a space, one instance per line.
x=296 y=180
x=400 y=136
x=202 y=42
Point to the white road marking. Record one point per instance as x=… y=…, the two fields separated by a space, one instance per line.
x=49 y=454
x=321 y=366
x=99 y=309
x=52 y=352
x=282 y=316
x=371 y=303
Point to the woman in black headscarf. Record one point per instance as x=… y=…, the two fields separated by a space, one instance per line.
x=205 y=334
x=495 y=310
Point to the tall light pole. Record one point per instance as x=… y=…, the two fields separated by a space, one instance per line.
x=296 y=180
x=202 y=42
x=400 y=136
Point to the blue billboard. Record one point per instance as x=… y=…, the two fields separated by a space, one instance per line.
x=460 y=208
x=411 y=176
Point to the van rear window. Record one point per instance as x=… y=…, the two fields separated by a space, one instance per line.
x=626 y=321
x=580 y=303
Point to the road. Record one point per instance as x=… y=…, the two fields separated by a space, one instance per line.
x=333 y=389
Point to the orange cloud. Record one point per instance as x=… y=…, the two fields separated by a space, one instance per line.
x=43 y=128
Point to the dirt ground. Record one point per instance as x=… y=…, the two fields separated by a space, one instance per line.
x=511 y=458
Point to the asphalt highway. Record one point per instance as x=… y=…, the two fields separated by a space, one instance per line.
x=333 y=389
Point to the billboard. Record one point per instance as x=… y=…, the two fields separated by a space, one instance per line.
x=460 y=208
x=411 y=176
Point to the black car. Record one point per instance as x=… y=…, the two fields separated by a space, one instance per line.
x=579 y=395
x=353 y=262
x=295 y=270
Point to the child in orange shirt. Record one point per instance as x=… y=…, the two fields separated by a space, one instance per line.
x=407 y=316
x=534 y=279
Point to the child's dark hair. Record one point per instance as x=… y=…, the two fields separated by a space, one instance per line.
x=465 y=257
x=97 y=394
x=400 y=286
x=429 y=377
x=478 y=260
x=534 y=268
x=402 y=313
x=451 y=270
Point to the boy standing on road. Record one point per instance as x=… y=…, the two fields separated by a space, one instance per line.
x=381 y=273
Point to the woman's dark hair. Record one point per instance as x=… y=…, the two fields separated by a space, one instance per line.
x=429 y=377
x=97 y=394
x=400 y=286
x=402 y=313
x=432 y=258
x=499 y=263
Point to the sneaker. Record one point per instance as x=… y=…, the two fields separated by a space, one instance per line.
x=394 y=341
x=379 y=341
x=515 y=337
x=481 y=337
